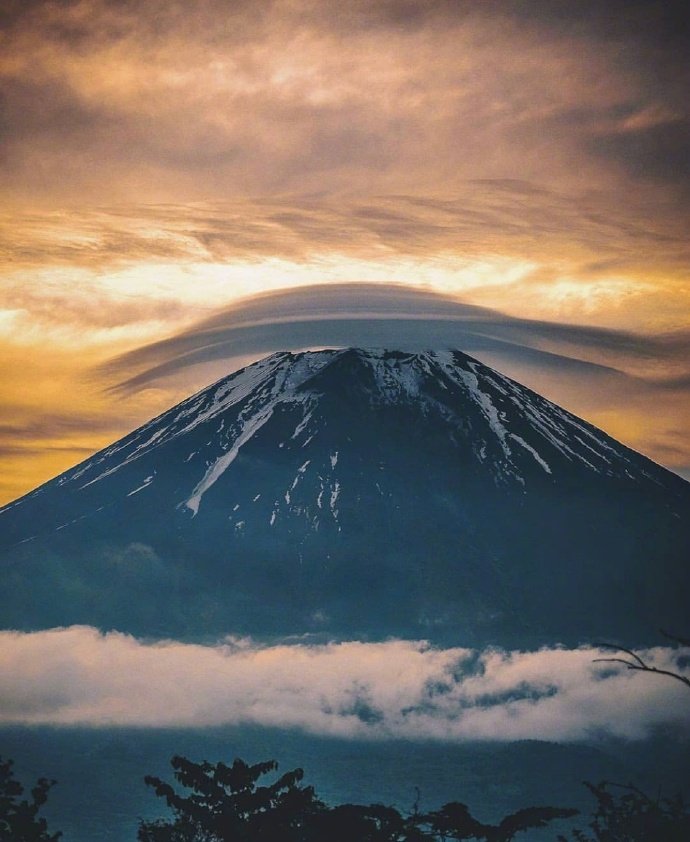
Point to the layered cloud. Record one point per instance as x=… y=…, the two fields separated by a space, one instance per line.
x=393 y=689
x=106 y=279
x=405 y=317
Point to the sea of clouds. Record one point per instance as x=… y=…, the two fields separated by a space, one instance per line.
x=391 y=689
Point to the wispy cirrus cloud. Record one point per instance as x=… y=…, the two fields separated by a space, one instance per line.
x=549 y=226
x=394 y=689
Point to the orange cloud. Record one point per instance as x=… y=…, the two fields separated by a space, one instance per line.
x=212 y=100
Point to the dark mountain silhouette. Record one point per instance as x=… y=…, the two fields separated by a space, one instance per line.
x=357 y=492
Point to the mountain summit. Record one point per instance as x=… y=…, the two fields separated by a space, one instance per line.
x=356 y=491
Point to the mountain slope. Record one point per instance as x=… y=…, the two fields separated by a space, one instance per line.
x=354 y=491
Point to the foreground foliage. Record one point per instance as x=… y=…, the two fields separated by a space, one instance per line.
x=227 y=805
x=19 y=819
x=626 y=814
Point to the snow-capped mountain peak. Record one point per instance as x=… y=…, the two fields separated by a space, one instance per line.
x=503 y=425
x=340 y=465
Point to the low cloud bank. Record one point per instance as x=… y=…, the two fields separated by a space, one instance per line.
x=392 y=689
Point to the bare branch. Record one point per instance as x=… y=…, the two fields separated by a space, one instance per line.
x=638 y=664
x=628 y=652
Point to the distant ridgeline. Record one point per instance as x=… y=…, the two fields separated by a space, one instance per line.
x=357 y=492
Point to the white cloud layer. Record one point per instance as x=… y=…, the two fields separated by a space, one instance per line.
x=396 y=688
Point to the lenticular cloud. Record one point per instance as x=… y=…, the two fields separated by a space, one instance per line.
x=391 y=689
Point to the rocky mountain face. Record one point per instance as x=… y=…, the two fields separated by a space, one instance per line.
x=357 y=492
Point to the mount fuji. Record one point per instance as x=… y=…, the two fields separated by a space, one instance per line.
x=356 y=492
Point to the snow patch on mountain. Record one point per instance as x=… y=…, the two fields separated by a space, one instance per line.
x=534 y=453
x=335 y=493
x=144 y=485
x=284 y=378
x=223 y=463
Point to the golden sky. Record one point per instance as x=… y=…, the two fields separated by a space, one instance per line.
x=164 y=164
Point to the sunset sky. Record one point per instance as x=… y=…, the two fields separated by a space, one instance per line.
x=189 y=186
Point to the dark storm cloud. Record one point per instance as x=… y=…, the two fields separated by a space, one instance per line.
x=656 y=21
x=681 y=383
x=391 y=316
x=50 y=433
x=647 y=20
x=48 y=111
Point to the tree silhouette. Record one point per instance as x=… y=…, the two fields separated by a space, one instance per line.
x=226 y=804
x=453 y=821
x=19 y=819
x=624 y=812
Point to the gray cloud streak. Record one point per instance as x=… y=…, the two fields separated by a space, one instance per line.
x=54 y=424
